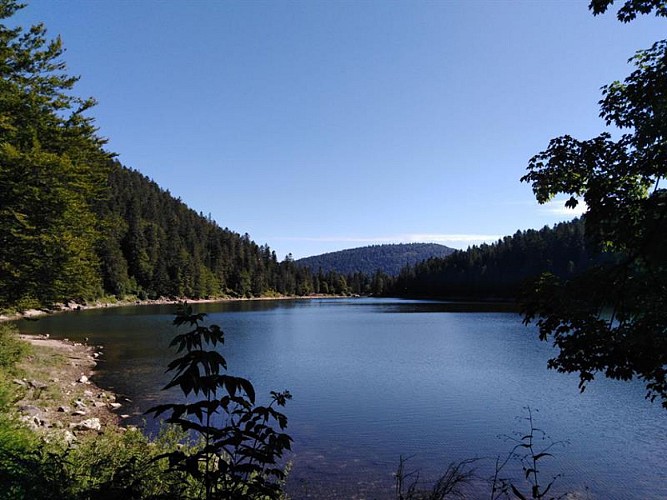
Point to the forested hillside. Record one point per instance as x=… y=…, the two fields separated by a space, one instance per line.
x=154 y=245
x=75 y=225
x=389 y=259
x=500 y=269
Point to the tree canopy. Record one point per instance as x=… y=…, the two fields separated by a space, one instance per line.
x=52 y=165
x=630 y=8
x=613 y=318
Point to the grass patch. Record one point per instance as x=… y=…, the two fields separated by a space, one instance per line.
x=12 y=349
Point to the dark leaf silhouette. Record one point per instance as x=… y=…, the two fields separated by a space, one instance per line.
x=240 y=447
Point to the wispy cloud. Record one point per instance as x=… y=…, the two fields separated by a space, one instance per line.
x=553 y=207
x=557 y=207
x=454 y=240
x=462 y=238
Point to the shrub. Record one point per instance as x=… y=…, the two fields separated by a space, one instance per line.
x=107 y=466
x=240 y=449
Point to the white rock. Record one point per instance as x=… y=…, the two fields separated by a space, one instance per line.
x=92 y=424
x=68 y=437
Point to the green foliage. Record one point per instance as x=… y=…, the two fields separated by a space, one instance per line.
x=108 y=466
x=630 y=8
x=112 y=465
x=613 y=318
x=240 y=448
x=12 y=349
x=17 y=444
x=127 y=466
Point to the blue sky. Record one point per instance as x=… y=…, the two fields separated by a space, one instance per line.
x=316 y=126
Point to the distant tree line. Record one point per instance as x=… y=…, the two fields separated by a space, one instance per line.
x=499 y=270
x=154 y=245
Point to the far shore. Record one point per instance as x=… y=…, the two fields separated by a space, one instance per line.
x=75 y=306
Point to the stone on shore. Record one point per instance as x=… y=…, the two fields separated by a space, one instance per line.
x=92 y=424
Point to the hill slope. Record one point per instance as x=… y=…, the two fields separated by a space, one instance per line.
x=153 y=245
x=499 y=270
x=390 y=259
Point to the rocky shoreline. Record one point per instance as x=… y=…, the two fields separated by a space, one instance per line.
x=59 y=399
x=75 y=306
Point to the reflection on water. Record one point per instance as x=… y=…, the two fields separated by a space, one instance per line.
x=374 y=379
x=448 y=307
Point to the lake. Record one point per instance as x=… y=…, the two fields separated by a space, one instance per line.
x=377 y=379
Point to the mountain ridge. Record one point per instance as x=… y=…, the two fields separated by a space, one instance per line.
x=388 y=258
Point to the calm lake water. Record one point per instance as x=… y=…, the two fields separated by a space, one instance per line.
x=376 y=379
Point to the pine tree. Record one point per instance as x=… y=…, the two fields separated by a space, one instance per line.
x=52 y=167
